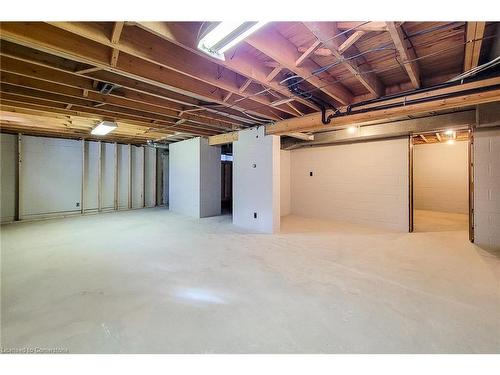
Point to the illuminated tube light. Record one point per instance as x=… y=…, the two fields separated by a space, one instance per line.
x=226 y=35
x=450 y=133
x=352 y=129
x=104 y=127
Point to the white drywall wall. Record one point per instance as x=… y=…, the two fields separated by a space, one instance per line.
x=184 y=177
x=363 y=183
x=108 y=176
x=487 y=188
x=256 y=181
x=210 y=179
x=150 y=176
x=440 y=177
x=8 y=165
x=51 y=175
x=285 y=198
x=194 y=178
x=137 y=177
x=123 y=176
x=91 y=179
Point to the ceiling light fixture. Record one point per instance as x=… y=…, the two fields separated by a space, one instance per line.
x=226 y=35
x=104 y=127
x=352 y=129
x=449 y=133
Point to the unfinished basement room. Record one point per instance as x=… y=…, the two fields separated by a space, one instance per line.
x=250 y=187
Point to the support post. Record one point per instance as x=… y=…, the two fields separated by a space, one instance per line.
x=82 y=193
x=143 y=176
x=155 y=178
x=410 y=184
x=471 y=184
x=18 y=204
x=129 y=176
x=99 y=178
x=115 y=197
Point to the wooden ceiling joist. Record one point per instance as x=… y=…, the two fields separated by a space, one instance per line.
x=474 y=39
x=360 y=25
x=406 y=53
x=329 y=36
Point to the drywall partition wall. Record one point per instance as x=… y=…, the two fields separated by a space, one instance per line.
x=256 y=181
x=91 y=179
x=441 y=177
x=51 y=176
x=150 y=176
x=123 y=176
x=285 y=198
x=210 y=179
x=194 y=178
x=137 y=177
x=8 y=167
x=184 y=177
x=487 y=188
x=108 y=176
x=364 y=183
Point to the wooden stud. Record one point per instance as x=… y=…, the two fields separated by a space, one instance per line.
x=370 y=26
x=117 y=32
x=88 y=70
x=143 y=176
x=116 y=184
x=245 y=85
x=410 y=185
x=99 y=177
x=129 y=176
x=474 y=36
x=351 y=40
x=424 y=138
x=19 y=185
x=82 y=193
x=114 y=57
x=438 y=136
x=308 y=52
x=155 y=178
x=471 y=165
x=273 y=74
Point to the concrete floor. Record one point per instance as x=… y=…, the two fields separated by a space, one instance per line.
x=435 y=221
x=150 y=281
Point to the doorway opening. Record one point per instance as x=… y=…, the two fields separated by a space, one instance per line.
x=227 y=179
x=440 y=181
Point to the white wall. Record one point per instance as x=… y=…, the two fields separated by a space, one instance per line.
x=256 y=189
x=91 y=179
x=51 y=176
x=286 y=203
x=123 y=176
x=8 y=166
x=137 y=177
x=487 y=188
x=440 y=177
x=363 y=183
x=194 y=178
x=150 y=176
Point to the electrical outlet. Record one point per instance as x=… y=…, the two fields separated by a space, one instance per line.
x=255 y=215
x=310 y=173
x=77 y=204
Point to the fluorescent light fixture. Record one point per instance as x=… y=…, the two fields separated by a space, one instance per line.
x=450 y=133
x=226 y=35
x=351 y=129
x=104 y=127
x=450 y=141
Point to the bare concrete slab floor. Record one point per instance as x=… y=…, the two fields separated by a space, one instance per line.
x=150 y=281
x=435 y=221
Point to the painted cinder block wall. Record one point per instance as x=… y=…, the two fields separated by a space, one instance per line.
x=51 y=176
x=441 y=177
x=256 y=181
x=365 y=183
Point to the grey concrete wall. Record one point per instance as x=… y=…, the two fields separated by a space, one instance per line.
x=91 y=179
x=184 y=177
x=137 y=177
x=150 y=176
x=285 y=198
x=51 y=176
x=210 y=179
x=194 y=178
x=364 y=183
x=441 y=177
x=123 y=176
x=8 y=166
x=256 y=181
x=108 y=175
x=487 y=188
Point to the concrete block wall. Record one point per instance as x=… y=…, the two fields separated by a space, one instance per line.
x=256 y=181
x=441 y=177
x=51 y=176
x=364 y=183
x=194 y=178
x=487 y=188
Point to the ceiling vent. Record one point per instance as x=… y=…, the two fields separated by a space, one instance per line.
x=106 y=88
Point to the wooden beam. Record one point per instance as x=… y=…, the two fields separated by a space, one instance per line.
x=221 y=139
x=474 y=35
x=88 y=70
x=227 y=96
x=117 y=32
x=114 y=57
x=406 y=53
x=370 y=26
x=313 y=122
x=424 y=138
x=244 y=86
x=325 y=33
x=308 y=52
x=350 y=41
x=271 y=43
x=273 y=73
x=438 y=136
x=301 y=136
x=183 y=35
